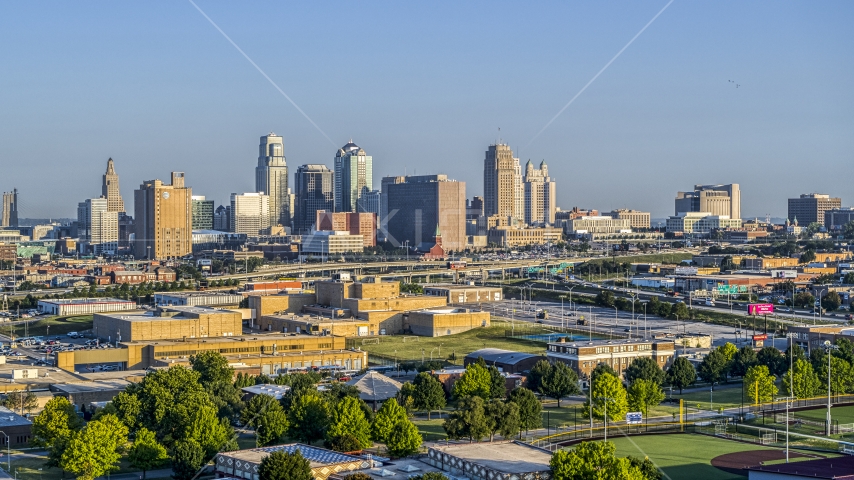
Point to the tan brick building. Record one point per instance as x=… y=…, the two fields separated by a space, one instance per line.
x=163 y=219
x=583 y=357
x=173 y=322
x=439 y=322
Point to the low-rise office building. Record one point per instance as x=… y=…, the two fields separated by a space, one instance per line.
x=700 y=222
x=618 y=354
x=197 y=299
x=509 y=236
x=347 y=327
x=85 y=306
x=598 y=225
x=331 y=243
x=175 y=322
x=464 y=293
x=18 y=429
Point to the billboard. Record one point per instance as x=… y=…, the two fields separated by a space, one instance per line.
x=634 y=417
x=760 y=309
x=784 y=274
x=760 y=337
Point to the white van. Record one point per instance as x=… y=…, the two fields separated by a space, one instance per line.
x=73 y=334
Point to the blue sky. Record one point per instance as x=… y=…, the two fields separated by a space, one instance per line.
x=423 y=87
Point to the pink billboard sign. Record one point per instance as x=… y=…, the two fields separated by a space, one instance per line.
x=760 y=309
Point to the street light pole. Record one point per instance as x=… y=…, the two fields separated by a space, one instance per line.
x=828 y=347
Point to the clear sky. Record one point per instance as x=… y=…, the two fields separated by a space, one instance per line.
x=424 y=87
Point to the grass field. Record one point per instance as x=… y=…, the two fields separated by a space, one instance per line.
x=723 y=396
x=840 y=414
x=33 y=468
x=58 y=326
x=413 y=348
x=683 y=455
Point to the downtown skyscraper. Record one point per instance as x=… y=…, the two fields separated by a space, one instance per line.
x=110 y=189
x=502 y=183
x=353 y=176
x=271 y=178
x=314 y=190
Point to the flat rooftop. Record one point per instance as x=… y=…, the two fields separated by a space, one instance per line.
x=9 y=418
x=181 y=313
x=603 y=343
x=85 y=387
x=317 y=457
x=197 y=294
x=505 y=457
x=237 y=339
x=455 y=286
x=314 y=320
x=85 y=301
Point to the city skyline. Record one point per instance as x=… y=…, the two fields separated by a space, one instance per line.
x=663 y=116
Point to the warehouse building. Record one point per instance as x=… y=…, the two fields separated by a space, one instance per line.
x=268 y=354
x=198 y=299
x=323 y=463
x=177 y=322
x=464 y=293
x=84 y=306
x=18 y=429
x=438 y=322
x=505 y=360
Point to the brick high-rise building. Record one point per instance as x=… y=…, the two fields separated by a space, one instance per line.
x=503 y=193
x=540 y=195
x=638 y=219
x=314 y=190
x=97 y=227
x=250 y=213
x=714 y=199
x=356 y=223
x=419 y=203
x=110 y=189
x=163 y=219
x=810 y=208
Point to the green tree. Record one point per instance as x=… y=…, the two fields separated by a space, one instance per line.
x=389 y=415
x=560 y=382
x=681 y=373
x=146 y=453
x=468 y=420
x=217 y=377
x=644 y=394
x=187 y=458
x=841 y=375
x=404 y=439
x=592 y=460
x=605 y=298
x=497 y=383
x=406 y=397
x=538 y=372
x=648 y=469
x=600 y=369
x=680 y=311
x=759 y=384
x=802 y=381
x=831 y=301
x=503 y=418
x=429 y=476
x=476 y=381
x=848 y=230
x=529 y=408
x=429 y=394
x=807 y=257
x=773 y=359
x=205 y=427
x=744 y=359
x=608 y=389
x=644 y=368
x=54 y=427
x=348 y=419
x=95 y=450
x=280 y=465
x=309 y=417
x=265 y=414
x=713 y=367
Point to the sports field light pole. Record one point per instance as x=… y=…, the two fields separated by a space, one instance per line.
x=606 y=400
x=828 y=347
x=788 y=401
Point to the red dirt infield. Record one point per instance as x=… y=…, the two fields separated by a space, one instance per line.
x=736 y=462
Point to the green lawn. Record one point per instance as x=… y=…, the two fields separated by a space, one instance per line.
x=404 y=347
x=58 y=326
x=683 y=455
x=724 y=396
x=33 y=468
x=841 y=414
x=431 y=430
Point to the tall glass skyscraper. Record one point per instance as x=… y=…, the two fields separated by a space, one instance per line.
x=353 y=176
x=271 y=178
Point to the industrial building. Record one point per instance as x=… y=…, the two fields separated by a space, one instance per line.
x=198 y=299
x=492 y=460
x=18 y=429
x=464 y=293
x=173 y=322
x=583 y=357
x=323 y=463
x=439 y=322
x=267 y=354
x=507 y=361
x=85 y=306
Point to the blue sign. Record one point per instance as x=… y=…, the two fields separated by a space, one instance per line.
x=634 y=417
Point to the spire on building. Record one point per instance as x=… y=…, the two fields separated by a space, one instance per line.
x=110 y=189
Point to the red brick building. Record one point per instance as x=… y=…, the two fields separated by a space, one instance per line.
x=357 y=223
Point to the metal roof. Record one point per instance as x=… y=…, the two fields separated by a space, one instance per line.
x=375 y=386
x=497 y=355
